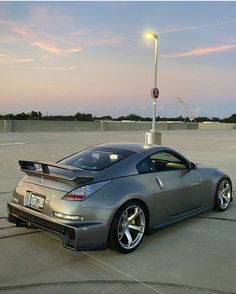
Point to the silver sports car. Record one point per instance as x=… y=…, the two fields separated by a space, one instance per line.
x=112 y=194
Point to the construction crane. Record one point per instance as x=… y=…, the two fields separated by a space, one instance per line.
x=191 y=114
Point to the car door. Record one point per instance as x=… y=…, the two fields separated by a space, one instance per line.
x=182 y=188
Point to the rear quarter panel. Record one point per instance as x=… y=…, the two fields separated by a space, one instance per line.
x=120 y=190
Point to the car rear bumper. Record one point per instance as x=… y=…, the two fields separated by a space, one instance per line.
x=77 y=236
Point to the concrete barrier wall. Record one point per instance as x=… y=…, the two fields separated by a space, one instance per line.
x=182 y=126
x=144 y=126
x=62 y=126
x=125 y=125
x=216 y=126
x=2 y=126
x=5 y=125
x=53 y=126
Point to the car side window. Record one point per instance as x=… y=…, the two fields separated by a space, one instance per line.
x=167 y=161
x=146 y=166
x=161 y=161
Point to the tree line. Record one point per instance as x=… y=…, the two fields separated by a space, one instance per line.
x=37 y=115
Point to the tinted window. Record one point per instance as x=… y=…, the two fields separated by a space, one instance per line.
x=165 y=161
x=96 y=158
x=161 y=161
x=146 y=166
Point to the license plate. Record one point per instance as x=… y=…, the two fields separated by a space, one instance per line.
x=37 y=201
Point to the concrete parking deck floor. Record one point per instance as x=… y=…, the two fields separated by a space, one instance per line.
x=195 y=256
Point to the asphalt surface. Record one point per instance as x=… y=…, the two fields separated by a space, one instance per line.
x=195 y=256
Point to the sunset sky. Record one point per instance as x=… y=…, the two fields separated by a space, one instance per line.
x=69 y=57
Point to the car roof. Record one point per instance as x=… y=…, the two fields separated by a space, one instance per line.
x=128 y=166
x=135 y=147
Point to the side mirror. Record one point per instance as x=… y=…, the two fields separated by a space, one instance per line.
x=192 y=165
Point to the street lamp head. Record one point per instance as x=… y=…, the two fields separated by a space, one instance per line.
x=151 y=36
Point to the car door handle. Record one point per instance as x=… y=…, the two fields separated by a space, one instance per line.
x=159 y=181
x=192 y=184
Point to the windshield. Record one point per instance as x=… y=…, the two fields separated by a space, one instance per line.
x=96 y=158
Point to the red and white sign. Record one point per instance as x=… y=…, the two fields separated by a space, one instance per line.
x=155 y=93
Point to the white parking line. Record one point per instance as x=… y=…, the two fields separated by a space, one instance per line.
x=123 y=273
x=6 y=138
x=15 y=143
x=112 y=267
x=28 y=142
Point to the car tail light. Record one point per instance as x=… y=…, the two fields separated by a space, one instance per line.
x=83 y=192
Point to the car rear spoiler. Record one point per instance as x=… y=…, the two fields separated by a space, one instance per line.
x=75 y=174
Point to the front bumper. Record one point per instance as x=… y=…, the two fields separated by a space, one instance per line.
x=76 y=236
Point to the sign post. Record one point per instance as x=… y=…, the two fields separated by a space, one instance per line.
x=156 y=136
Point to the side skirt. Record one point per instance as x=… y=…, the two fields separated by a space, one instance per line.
x=179 y=218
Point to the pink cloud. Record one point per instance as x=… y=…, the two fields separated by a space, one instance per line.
x=103 y=38
x=19 y=28
x=7 y=22
x=54 y=49
x=112 y=41
x=200 y=51
x=80 y=33
x=57 y=44
x=9 y=59
x=56 y=68
x=42 y=40
x=5 y=38
x=23 y=31
x=197 y=27
x=25 y=60
x=56 y=38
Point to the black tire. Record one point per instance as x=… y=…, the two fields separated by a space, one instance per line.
x=223 y=195
x=125 y=228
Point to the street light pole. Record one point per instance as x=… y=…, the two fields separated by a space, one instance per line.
x=156 y=94
x=155 y=84
x=156 y=59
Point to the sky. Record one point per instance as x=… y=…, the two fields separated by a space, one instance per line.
x=92 y=57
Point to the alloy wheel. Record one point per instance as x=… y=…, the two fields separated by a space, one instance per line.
x=131 y=227
x=224 y=194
